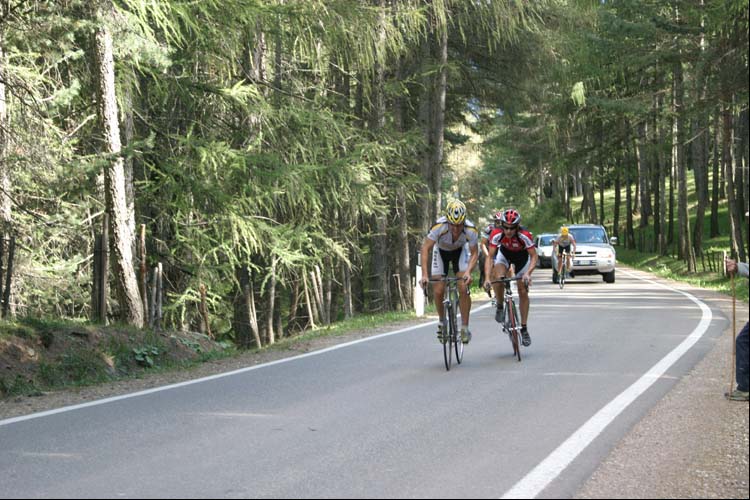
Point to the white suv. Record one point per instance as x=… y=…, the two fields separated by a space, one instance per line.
x=543 y=243
x=595 y=253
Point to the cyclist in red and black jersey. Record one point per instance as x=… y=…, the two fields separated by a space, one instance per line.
x=516 y=246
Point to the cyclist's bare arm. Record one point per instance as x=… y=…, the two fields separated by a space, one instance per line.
x=472 y=262
x=485 y=244
x=425 y=255
x=488 y=263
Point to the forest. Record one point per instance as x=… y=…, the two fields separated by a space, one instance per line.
x=251 y=169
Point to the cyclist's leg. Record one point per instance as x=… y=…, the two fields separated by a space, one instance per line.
x=439 y=289
x=560 y=257
x=480 y=263
x=523 y=293
x=499 y=271
x=464 y=297
x=438 y=270
x=524 y=303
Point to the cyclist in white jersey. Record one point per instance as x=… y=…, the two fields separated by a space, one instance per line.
x=446 y=244
x=563 y=243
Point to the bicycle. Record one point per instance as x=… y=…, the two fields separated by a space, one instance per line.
x=511 y=315
x=451 y=337
x=562 y=276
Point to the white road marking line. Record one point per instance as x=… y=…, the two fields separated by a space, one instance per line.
x=548 y=469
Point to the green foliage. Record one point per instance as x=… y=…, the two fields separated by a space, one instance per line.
x=77 y=366
x=191 y=344
x=146 y=355
x=18 y=385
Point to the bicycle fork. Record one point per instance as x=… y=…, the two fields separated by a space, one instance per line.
x=517 y=312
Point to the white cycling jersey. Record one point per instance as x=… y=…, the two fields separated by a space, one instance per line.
x=441 y=233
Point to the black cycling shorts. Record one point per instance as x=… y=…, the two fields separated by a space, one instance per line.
x=451 y=257
x=561 y=249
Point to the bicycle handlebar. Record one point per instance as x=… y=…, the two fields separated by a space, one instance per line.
x=444 y=279
x=507 y=280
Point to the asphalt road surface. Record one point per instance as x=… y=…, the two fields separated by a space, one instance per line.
x=381 y=417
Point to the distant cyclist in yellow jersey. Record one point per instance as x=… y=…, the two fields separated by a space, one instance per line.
x=562 y=244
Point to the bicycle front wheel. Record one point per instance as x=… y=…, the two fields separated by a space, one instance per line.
x=512 y=327
x=563 y=272
x=450 y=333
x=457 y=342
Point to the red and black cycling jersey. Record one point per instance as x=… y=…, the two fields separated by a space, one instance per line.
x=515 y=249
x=521 y=241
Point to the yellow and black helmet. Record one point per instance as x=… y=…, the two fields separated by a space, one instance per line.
x=456 y=212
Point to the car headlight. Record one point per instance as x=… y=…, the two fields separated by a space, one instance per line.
x=605 y=254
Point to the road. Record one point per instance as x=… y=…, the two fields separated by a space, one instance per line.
x=381 y=417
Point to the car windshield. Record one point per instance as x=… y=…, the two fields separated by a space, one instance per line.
x=588 y=235
x=545 y=241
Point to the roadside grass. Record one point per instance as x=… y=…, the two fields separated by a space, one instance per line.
x=38 y=355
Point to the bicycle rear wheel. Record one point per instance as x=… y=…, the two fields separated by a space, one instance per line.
x=511 y=326
x=563 y=272
x=448 y=336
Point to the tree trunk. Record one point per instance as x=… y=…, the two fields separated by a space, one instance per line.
x=643 y=176
x=715 y=195
x=425 y=121
x=657 y=171
x=618 y=199
x=685 y=249
x=740 y=169
x=308 y=301
x=380 y=263
x=121 y=236
x=404 y=268
x=272 y=301
x=381 y=269
x=346 y=278
x=128 y=134
x=438 y=109
x=629 y=234
x=699 y=160
x=672 y=177
x=738 y=247
x=245 y=321
x=5 y=184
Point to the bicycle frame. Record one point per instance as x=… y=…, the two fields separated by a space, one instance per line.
x=511 y=323
x=451 y=338
x=562 y=275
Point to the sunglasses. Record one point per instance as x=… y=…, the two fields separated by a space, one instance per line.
x=509 y=228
